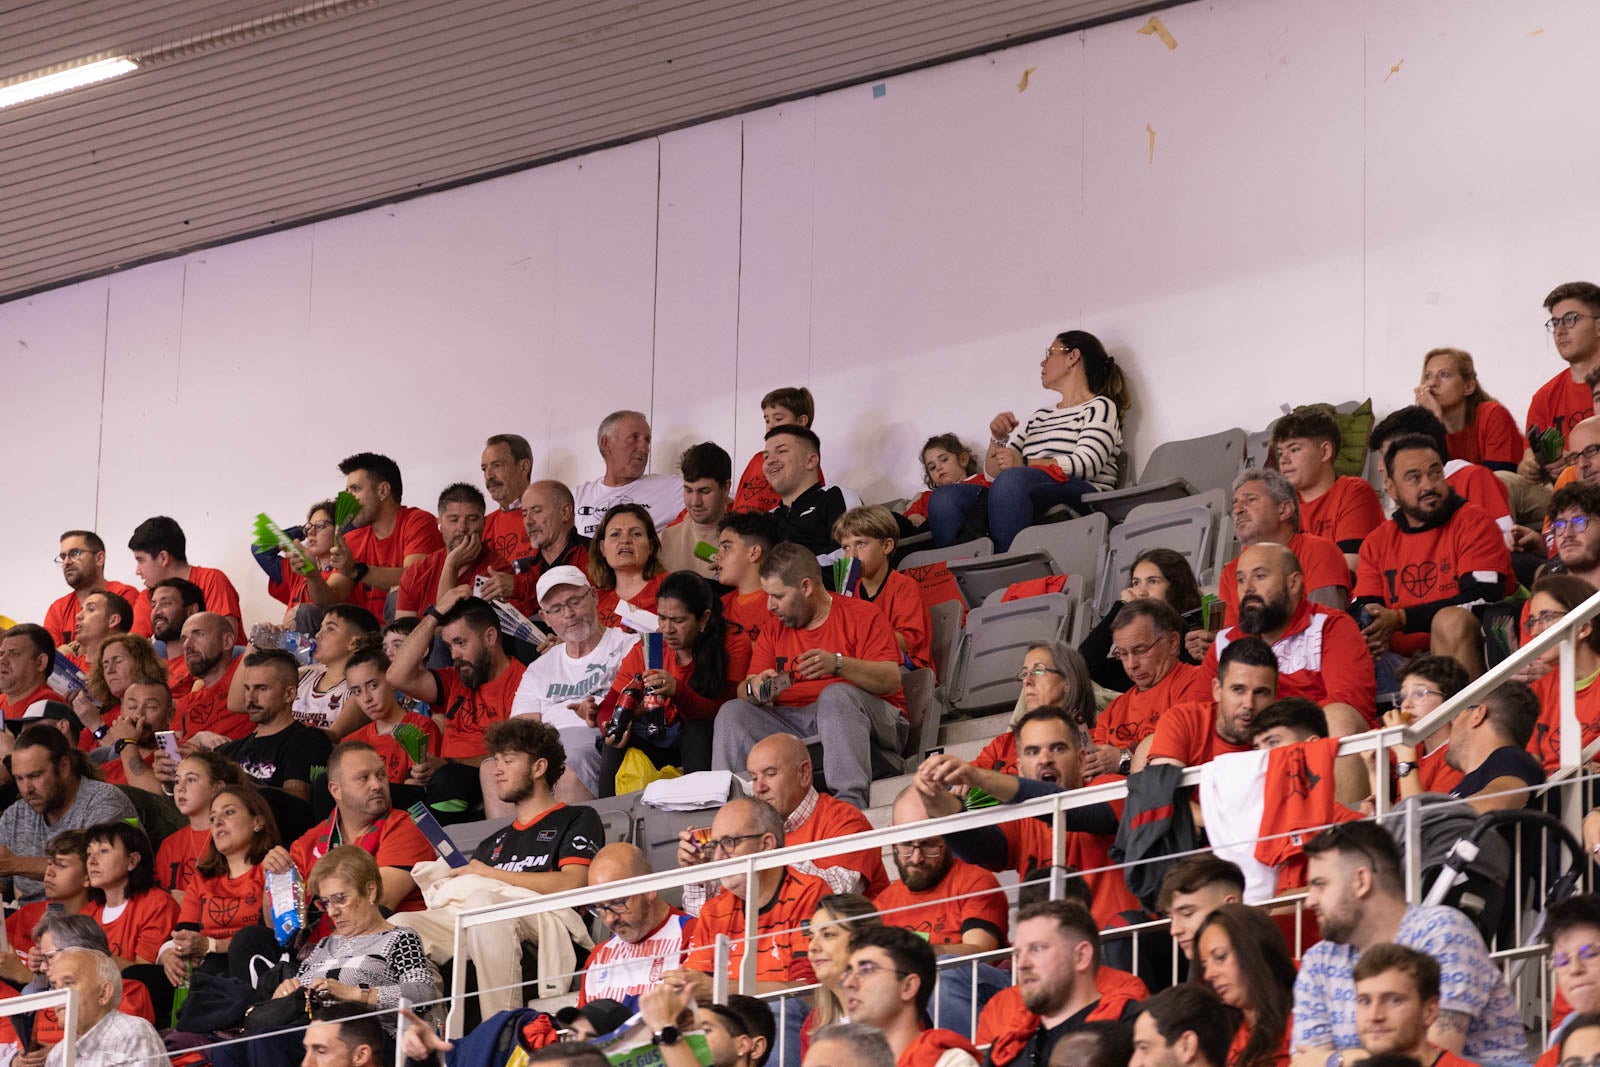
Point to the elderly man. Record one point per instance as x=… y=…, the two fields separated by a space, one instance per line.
x=507 y=466
x=624 y=442
x=1146 y=635
x=553 y=540
x=562 y=686
x=647 y=934
x=829 y=667
x=106 y=1037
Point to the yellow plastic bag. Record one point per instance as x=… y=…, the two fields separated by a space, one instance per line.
x=637 y=772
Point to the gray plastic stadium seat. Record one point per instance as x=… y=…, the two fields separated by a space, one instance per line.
x=991 y=647
x=1187 y=530
x=1177 y=469
x=965 y=550
x=1220 y=542
x=944 y=620
x=979 y=577
x=1077 y=546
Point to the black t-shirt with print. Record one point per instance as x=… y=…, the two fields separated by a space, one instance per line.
x=563 y=834
x=298 y=753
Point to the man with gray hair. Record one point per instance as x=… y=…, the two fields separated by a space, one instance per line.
x=849 y=1045
x=1267 y=508
x=624 y=440
x=105 y=1036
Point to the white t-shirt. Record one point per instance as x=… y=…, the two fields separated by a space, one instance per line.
x=660 y=494
x=315 y=709
x=556 y=679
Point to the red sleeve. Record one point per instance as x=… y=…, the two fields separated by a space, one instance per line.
x=290 y=589
x=1323 y=564
x=1360 y=515
x=1480 y=486
x=1499 y=439
x=1480 y=546
x=421 y=535
x=1208 y=666
x=1369 y=567
x=1539 y=415
x=990 y=909
x=412 y=595
x=426 y=724
x=155 y=915
x=219 y=590
x=402 y=844
x=919 y=506
x=56 y=621
x=1228 y=592
x=1175 y=735
x=189 y=910
x=909 y=617
x=1347 y=665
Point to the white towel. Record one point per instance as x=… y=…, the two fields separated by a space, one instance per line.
x=1232 y=801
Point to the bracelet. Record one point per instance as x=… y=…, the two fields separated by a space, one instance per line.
x=434 y=614
x=1000 y=441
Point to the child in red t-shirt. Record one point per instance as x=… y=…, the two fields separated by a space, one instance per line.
x=201 y=776
x=789 y=406
x=867 y=535
x=384 y=731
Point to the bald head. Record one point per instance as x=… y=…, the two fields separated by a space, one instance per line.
x=908 y=807
x=1584 y=435
x=547 y=511
x=617 y=861
x=1278 y=558
x=631 y=918
x=1270 y=589
x=207 y=644
x=780 y=772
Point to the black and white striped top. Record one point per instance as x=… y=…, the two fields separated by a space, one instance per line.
x=1083 y=439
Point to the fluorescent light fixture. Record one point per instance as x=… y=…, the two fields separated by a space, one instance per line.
x=62 y=80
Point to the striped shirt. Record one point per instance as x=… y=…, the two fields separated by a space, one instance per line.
x=622 y=969
x=1083 y=439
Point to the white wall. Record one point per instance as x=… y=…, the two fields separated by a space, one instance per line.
x=1308 y=225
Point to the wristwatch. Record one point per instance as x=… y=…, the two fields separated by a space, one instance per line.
x=1404 y=768
x=667 y=1036
x=358 y=573
x=1125 y=764
x=100 y=733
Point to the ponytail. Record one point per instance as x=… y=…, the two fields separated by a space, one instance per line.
x=1105 y=378
x=709 y=677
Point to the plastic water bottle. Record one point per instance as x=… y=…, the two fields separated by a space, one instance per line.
x=300 y=646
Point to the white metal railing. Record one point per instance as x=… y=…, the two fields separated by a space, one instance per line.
x=50 y=998
x=1561 y=634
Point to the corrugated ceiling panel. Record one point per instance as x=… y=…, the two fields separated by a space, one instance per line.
x=404 y=95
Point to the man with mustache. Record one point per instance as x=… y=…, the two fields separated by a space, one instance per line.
x=1423 y=571
x=624 y=441
x=280 y=751
x=507 y=466
x=201 y=697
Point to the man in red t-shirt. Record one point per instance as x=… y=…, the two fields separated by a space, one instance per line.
x=889 y=985
x=1145 y=637
x=1342 y=509
x=1564 y=401
x=27 y=654
x=1198 y=732
x=160 y=551
x=471 y=695
x=781 y=774
x=1424 y=570
x=743 y=540
x=507 y=466
x=201 y=703
x=464 y=556
x=385 y=537
x=958 y=907
x=828 y=667
x=83 y=562
x=1266 y=509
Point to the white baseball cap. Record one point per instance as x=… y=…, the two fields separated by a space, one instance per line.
x=564 y=575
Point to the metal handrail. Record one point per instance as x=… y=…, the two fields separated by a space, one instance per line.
x=50 y=998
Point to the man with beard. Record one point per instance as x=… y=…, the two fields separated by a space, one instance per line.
x=1266 y=508
x=172 y=601
x=507 y=466
x=465 y=554
x=1574 y=529
x=547 y=848
x=648 y=935
x=201 y=698
x=1050 y=750
x=470 y=695
x=385 y=537
x=1055 y=956
x=1320 y=653
x=1397 y=1003
x=839 y=666
x=786 y=901
x=1199 y=731
x=363 y=816
x=563 y=685
x=55 y=797
x=958 y=908
x=280 y=751
x=624 y=441
x=1423 y=571
x=707 y=476
x=83 y=563
x=160 y=551
x=1357 y=892
x=26 y=656
x=888 y=985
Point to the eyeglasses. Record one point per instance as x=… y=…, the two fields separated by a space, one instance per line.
x=318 y=527
x=1578 y=523
x=730 y=842
x=1543 y=619
x=1560 y=961
x=609 y=907
x=867 y=968
x=1573 y=1061
x=569 y=606
x=70 y=554
x=929 y=848
x=1131 y=653
x=1569 y=320
x=332 y=900
x=1587 y=454
x=1416 y=693
x=1034 y=672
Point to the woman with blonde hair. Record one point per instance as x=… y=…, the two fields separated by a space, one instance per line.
x=837 y=915
x=1478 y=427
x=124 y=660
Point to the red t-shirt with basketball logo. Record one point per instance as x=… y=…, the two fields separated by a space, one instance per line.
x=1345 y=514
x=1546 y=740
x=415 y=533
x=221 y=907
x=143 y=926
x=1560 y=404
x=1322 y=564
x=396 y=760
x=967 y=898
x=504 y=534
x=176 y=857
x=470 y=712
x=198 y=707
x=1132 y=717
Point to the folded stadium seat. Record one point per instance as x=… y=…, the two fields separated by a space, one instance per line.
x=1258 y=448
x=944 y=628
x=1073 y=586
x=1177 y=469
x=1077 y=546
x=991 y=646
x=1221 y=542
x=930 y=570
x=977 y=578
x=1186 y=530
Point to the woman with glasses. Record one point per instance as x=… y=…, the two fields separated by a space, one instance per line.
x=1157 y=574
x=1553 y=596
x=1058 y=455
x=1053 y=675
x=1572 y=929
x=285 y=581
x=1478 y=427
x=837 y=915
x=1241 y=955
x=625 y=561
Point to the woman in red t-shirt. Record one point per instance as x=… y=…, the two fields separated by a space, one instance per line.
x=201 y=776
x=702 y=663
x=1478 y=429
x=1054 y=674
x=1243 y=958
x=625 y=561
x=228 y=890
x=125 y=659
x=136 y=914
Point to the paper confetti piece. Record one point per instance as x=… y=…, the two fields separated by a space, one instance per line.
x=1392 y=72
x=1022 y=82
x=1151 y=130
x=1159 y=29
